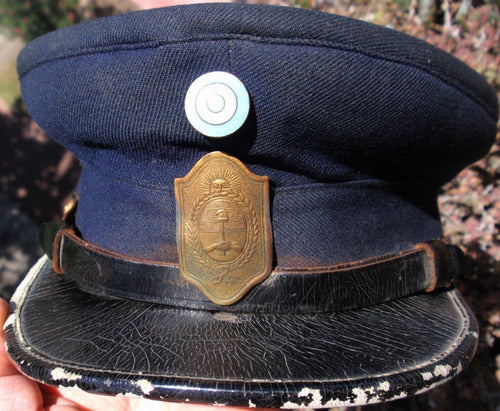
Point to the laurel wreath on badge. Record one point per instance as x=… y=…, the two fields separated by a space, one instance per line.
x=227 y=271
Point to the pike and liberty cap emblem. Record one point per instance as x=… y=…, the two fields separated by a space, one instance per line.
x=223 y=227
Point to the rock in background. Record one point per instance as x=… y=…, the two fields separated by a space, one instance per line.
x=19 y=249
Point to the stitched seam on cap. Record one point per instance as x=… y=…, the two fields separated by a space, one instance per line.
x=318 y=186
x=230 y=56
x=279 y=41
x=322 y=187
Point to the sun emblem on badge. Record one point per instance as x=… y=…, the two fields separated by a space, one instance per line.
x=225 y=229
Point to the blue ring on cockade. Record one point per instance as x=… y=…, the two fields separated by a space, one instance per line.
x=217 y=104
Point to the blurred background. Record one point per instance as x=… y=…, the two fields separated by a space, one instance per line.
x=37 y=175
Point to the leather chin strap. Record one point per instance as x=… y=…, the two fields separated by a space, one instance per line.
x=425 y=268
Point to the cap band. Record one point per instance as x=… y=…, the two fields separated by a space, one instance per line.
x=341 y=287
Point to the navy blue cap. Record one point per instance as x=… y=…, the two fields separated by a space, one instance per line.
x=357 y=127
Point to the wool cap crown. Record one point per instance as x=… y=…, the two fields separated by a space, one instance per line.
x=356 y=125
x=329 y=286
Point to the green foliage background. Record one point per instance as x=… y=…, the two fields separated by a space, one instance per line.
x=30 y=19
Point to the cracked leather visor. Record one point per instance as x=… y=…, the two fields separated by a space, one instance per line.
x=256 y=221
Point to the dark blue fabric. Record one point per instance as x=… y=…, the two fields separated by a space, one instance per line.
x=312 y=225
x=369 y=120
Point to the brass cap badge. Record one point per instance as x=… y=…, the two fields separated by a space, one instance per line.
x=223 y=227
